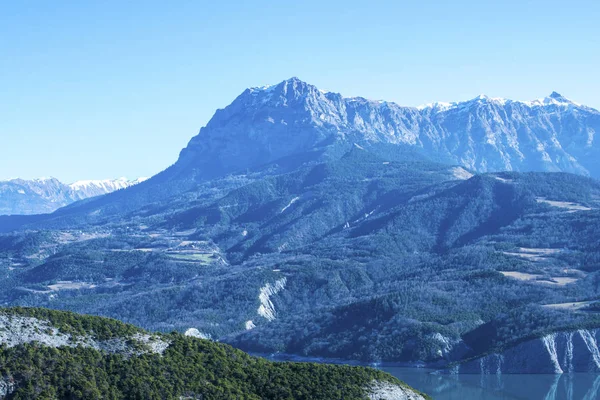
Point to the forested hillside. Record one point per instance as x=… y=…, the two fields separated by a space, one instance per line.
x=364 y=257
x=106 y=359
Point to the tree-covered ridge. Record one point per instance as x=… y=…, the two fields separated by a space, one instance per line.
x=76 y=324
x=189 y=368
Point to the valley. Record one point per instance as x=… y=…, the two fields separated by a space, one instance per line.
x=343 y=237
x=299 y=200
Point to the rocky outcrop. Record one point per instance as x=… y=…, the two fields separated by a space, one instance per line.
x=17 y=330
x=193 y=332
x=389 y=391
x=7 y=386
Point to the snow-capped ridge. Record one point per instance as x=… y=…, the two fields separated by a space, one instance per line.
x=45 y=195
x=106 y=184
x=298 y=85
x=41 y=179
x=292 y=83
x=483 y=134
x=554 y=99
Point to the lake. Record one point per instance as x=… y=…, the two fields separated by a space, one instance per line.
x=578 y=386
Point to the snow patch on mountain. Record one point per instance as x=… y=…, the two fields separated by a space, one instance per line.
x=554 y=99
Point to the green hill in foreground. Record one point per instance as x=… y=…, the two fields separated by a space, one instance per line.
x=47 y=354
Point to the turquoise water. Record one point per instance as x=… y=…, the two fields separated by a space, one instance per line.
x=500 y=387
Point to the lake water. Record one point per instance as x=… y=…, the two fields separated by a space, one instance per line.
x=496 y=387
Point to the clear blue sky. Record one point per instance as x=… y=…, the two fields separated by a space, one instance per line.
x=99 y=89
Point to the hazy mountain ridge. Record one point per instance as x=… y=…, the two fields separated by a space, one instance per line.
x=45 y=195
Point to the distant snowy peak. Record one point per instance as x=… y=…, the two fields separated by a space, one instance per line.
x=90 y=188
x=45 y=195
x=108 y=185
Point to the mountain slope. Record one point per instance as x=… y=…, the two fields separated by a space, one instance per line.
x=423 y=253
x=38 y=196
x=49 y=354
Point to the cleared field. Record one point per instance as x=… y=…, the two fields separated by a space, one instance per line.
x=532 y=254
x=205 y=258
x=572 y=207
x=73 y=236
x=564 y=280
x=574 y=306
x=538 y=278
x=145 y=250
x=69 y=285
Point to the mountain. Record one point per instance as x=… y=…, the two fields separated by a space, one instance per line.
x=45 y=195
x=50 y=354
x=483 y=134
x=294 y=123
x=276 y=129
x=91 y=188
x=302 y=222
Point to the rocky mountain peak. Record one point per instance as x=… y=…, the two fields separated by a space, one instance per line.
x=483 y=134
x=556 y=96
x=289 y=93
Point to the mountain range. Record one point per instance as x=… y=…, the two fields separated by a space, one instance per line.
x=302 y=222
x=483 y=134
x=45 y=195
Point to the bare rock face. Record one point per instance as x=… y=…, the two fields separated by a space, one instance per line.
x=7 y=386
x=390 y=391
x=17 y=330
x=554 y=353
x=193 y=332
